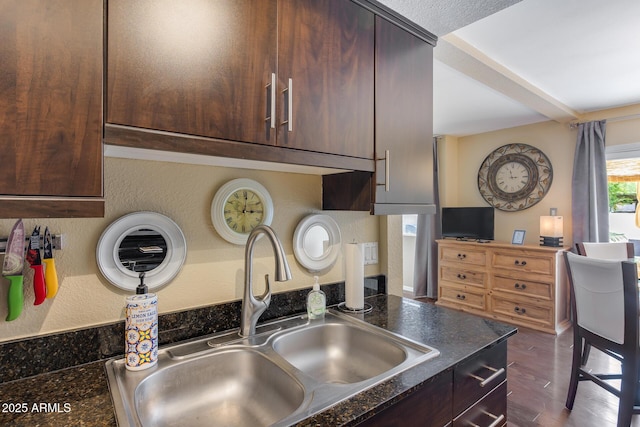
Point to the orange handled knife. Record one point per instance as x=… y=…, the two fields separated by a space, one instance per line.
x=50 y=274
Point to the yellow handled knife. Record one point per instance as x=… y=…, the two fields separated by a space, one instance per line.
x=50 y=273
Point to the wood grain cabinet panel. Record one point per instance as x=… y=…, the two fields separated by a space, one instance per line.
x=463 y=276
x=288 y=73
x=326 y=48
x=403 y=178
x=524 y=285
x=520 y=287
x=523 y=261
x=461 y=256
x=462 y=298
x=51 y=108
x=193 y=67
x=428 y=406
x=491 y=410
x=476 y=377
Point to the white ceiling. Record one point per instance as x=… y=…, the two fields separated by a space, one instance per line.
x=505 y=63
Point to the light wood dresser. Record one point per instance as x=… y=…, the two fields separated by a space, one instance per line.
x=524 y=285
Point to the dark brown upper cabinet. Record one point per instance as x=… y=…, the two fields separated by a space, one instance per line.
x=404 y=122
x=403 y=179
x=51 y=108
x=326 y=51
x=293 y=74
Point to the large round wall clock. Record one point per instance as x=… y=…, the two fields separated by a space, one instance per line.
x=515 y=177
x=238 y=207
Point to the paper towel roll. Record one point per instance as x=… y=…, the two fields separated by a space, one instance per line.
x=354 y=281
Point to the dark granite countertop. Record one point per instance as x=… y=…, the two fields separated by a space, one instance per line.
x=79 y=396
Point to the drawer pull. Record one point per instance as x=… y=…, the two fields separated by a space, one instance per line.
x=461 y=297
x=496 y=420
x=462 y=256
x=520 y=286
x=520 y=310
x=520 y=263
x=272 y=110
x=461 y=276
x=485 y=381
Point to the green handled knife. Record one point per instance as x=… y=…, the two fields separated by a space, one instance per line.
x=12 y=269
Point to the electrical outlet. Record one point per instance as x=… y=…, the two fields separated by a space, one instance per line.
x=370 y=250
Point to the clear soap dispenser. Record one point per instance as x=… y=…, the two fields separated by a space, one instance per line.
x=316 y=301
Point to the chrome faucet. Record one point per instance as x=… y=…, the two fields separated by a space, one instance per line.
x=252 y=306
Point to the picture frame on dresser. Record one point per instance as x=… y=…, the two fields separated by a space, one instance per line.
x=518 y=237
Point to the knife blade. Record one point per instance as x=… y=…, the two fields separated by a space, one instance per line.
x=50 y=273
x=12 y=269
x=34 y=260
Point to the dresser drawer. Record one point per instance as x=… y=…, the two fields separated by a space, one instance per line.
x=529 y=288
x=491 y=410
x=463 y=276
x=462 y=298
x=463 y=255
x=523 y=262
x=476 y=377
x=530 y=312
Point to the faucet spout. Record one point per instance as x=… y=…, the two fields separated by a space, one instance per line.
x=253 y=306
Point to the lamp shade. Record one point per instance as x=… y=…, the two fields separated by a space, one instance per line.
x=551 y=231
x=551 y=226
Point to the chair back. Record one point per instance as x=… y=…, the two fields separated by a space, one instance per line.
x=619 y=251
x=605 y=294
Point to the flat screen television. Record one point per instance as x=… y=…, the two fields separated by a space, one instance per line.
x=470 y=223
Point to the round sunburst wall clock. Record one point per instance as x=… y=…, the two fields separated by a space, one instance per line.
x=515 y=177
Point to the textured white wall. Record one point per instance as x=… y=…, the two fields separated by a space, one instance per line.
x=213 y=271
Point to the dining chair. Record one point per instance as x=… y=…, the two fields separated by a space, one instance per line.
x=604 y=303
x=618 y=251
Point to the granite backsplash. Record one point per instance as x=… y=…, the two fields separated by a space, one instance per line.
x=38 y=355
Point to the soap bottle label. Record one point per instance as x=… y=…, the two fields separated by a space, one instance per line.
x=141 y=332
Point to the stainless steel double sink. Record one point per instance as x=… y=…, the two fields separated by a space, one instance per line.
x=290 y=370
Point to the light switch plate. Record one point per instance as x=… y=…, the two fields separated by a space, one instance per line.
x=370 y=250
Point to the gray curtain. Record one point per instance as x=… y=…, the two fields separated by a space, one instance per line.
x=425 y=269
x=590 y=199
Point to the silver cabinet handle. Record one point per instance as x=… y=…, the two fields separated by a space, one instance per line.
x=272 y=109
x=289 y=90
x=485 y=381
x=386 y=170
x=497 y=420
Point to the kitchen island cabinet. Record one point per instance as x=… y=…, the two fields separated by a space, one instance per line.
x=291 y=74
x=51 y=108
x=459 y=337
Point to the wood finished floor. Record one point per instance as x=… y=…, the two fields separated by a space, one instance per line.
x=539 y=366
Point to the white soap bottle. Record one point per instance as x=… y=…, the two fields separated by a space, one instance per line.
x=316 y=302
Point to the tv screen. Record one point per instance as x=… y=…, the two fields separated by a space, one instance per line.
x=468 y=223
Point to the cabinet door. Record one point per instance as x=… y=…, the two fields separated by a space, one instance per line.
x=50 y=102
x=404 y=116
x=198 y=67
x=326 y=48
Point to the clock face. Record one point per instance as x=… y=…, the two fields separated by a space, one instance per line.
x=515 y=177
x=243 y=211
x=512 y=177
x=238 y=207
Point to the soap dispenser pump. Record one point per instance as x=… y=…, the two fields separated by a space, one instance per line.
x=316 y=302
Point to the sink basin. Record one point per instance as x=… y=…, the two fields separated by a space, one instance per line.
x=339 y=353
x=290 y=370
x=242 y=387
